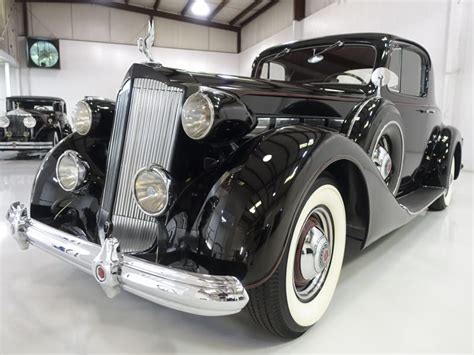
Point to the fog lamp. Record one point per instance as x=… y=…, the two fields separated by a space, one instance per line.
x=152 y=190
x=71 y=170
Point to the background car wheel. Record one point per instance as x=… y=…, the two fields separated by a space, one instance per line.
x=444 y=201
x=299 y=292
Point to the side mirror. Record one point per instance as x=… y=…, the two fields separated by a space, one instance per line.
x=380 y=78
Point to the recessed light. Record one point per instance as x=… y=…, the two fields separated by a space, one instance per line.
x=200 y=8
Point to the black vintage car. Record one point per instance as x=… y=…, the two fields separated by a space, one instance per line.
x=35 y=123
x=209 y=193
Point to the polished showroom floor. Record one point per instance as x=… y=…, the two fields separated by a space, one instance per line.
x=410 y=292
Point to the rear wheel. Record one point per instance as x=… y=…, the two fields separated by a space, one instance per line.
x=444 y=201
x=299 y=292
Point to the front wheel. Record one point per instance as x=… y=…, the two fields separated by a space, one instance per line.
x=299 y=292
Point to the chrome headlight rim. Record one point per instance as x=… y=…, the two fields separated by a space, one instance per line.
x=80 y=164
x=89 y=113
x=5 y=120
x=210 y=104
x=29 y=122
x=164 y=175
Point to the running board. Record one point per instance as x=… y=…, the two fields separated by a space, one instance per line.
x=419 y=200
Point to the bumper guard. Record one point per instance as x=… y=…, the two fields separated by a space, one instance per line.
x=200 y=294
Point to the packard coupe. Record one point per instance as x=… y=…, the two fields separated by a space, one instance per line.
x=209 y=193
x=33 y=123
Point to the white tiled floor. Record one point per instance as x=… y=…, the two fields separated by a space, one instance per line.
x=410 y=292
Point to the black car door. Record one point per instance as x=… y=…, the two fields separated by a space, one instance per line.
x=408 y=90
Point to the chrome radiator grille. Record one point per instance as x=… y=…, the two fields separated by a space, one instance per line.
x=16 y=127
x=152 y=125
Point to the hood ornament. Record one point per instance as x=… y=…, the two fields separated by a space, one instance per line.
x=145 y=44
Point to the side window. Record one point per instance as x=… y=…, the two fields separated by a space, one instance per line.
x=396 y=68
x=408 y=68
x=273 y=71
x=411 y=73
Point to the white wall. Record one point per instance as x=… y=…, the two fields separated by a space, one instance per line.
x=435 y=24
x=277 y=18
x=97 y=69
x=96 y=23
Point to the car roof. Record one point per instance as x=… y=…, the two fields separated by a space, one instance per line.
x=35 y=98
x=379 y=40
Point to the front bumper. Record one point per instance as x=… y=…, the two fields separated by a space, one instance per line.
x=200 y=294
x=12 y=145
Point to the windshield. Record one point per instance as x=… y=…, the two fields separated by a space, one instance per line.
x=341 y=64
x=33 y=105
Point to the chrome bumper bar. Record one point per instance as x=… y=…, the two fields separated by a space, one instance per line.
x=200 y=294
x=26 y=145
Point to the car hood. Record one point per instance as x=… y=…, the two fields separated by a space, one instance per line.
x=269 y=97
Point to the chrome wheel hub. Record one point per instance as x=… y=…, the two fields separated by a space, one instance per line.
x=381 y=158
x=313 y=254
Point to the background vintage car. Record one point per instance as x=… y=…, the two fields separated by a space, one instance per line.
x=35 y=123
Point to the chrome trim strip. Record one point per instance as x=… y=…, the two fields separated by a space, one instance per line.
x=26 y=145
x=206 y=295
x=115 y=149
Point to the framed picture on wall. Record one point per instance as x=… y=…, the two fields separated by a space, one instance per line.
x=43 y=53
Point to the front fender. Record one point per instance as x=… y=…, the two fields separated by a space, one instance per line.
x=248 y=214
x=72 y=212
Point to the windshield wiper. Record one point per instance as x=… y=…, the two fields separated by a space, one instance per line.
x=317 y=57
x=279 y=54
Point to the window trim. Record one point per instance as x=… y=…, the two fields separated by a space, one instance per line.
x=425 y=69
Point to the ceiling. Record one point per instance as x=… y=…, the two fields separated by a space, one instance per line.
x=228 y=12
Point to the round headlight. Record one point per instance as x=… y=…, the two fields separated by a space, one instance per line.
x=4 y=121
x=81 y=118
x=151 y=190
x=29 y=122
x=70 y=170
x=197 y=115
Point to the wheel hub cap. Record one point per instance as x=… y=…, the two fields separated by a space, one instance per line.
x=383 y=161
x=315 y=254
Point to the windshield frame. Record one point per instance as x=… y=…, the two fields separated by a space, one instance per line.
x=263 y=60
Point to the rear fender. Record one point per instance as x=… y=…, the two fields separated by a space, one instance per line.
x=445 y=143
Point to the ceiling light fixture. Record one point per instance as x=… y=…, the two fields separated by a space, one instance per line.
x=200 y=8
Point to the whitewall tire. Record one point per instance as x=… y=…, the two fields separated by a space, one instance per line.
x=306 y=314
x=297 y=295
